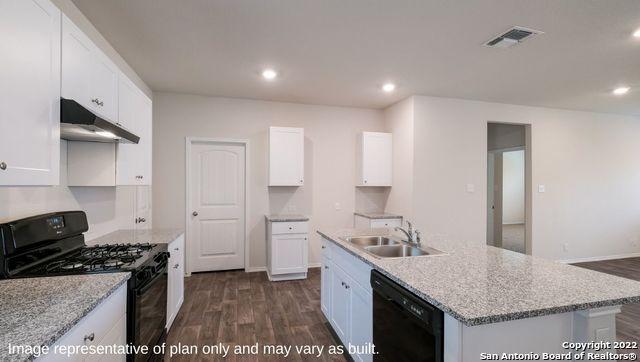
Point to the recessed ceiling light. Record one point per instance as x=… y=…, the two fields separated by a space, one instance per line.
x=637 y=33
x=269 y=74
x=621 y=90
x=389 y=87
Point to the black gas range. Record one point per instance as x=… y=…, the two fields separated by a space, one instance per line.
x=53 y=244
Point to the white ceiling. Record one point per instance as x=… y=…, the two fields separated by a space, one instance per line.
x=339 y=52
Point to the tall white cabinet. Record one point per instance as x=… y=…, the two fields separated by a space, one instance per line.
x=286 y=156
x=30 y=92
x=374 y=159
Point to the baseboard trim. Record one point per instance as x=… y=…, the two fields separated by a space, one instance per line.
x=255 y=269
x=599 y=258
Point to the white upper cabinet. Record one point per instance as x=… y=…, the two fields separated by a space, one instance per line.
x=134 y=114
x=29 y=92
x=286 y=156
x=375 y=159
x=88 y=76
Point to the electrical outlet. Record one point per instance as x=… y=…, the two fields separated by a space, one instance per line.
x=337 y=206
x=471 y=188
x=542 y=188
x=565 y=247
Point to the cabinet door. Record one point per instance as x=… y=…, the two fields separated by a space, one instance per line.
x=175 y=294
x=77 y=64
x=361 y=320
x=340 y=304
x=286 y=156
x=104 y=86
x=145 y=131
x=30 y=92
x=127 y=118
x=289 y=253
x=376 y=159
x=325 y=287
x=143 y=208
x=134 y=114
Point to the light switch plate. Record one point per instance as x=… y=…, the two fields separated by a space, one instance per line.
x=337 y=206
x=541 y=188
x=471 y=188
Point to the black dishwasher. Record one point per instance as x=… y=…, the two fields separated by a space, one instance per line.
x=405 y=327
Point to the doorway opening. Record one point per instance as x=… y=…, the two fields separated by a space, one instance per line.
x=509 y=187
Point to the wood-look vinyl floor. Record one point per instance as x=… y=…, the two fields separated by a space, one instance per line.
x=238 y=308
x=628 y=321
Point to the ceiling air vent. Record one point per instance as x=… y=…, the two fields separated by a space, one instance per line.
x=511 y=37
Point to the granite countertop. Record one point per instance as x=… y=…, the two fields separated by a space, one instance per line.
x=377 y=215
x=286 y=217
x=151 y=236
x=478 y=284
x=38 y=311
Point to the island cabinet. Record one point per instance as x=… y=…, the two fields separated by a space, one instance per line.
x=30 y=93
x=175 y=279
x=346 y=298
x=106 y=325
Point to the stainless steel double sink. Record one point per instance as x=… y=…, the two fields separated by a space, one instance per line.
x=389 y=247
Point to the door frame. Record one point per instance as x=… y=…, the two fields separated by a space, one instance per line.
x=189 y=141
x=528 y=178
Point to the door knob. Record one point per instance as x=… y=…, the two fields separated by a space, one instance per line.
x=195 y=213
x=3 y=166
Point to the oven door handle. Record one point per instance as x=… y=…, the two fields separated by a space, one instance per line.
x=149 y=284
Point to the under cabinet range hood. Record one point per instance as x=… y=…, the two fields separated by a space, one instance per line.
x=77 y=123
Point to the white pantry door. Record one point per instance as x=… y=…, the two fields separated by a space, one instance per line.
x=217 y=200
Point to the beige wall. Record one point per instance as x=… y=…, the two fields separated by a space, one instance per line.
x=399 y=121
x=107 y=208
x=587 y=161
x=330 y=158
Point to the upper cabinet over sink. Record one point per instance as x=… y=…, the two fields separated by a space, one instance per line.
x=30 y=93
x=286 y=156
x=375 y=152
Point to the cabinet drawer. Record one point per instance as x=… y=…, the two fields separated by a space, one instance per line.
x=297 y=227
x=385 y=223
x=355 y=268
x=99 y=322
x=325 y=247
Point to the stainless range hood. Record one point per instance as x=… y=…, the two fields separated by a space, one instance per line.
x=77 y=123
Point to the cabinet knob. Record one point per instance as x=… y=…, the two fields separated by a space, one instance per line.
x=324 y=247
x=3 y=166
x=342 y=283
x=176 y=266
x=195 y=213
x=326 y=267
x=365 y=181
x=89 y=337
x=347 y=286
x=300 y=181
x=176 y=249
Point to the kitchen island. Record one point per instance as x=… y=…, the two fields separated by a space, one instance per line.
x=493 y=300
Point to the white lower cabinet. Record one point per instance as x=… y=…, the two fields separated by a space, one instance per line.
x=104 y=326
x=287 y=250
x=175 y=287
x=346 y=299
